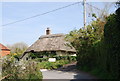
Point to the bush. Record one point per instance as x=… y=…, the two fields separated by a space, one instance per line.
x=52 y=65
x=41 y=59
x=70 y=58
x=28 y=70
x=112 y=43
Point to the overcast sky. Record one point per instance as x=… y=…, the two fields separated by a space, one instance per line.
x=28 y=31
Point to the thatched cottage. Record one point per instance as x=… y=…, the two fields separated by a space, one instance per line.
x=52 y=43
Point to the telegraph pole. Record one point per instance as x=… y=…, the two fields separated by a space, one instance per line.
x=84 y=13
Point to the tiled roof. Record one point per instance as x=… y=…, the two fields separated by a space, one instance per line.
x=2 y=47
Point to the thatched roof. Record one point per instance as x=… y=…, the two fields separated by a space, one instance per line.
x=52 y=42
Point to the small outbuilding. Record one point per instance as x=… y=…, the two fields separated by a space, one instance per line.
x=52 y=43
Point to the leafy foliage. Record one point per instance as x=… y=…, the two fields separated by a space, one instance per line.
x=41 y=54
x=98 y=46
x=17 y=49
x=26 y=70
x=52 y=65
x=41 y=59
x=69 y=58
x=85 y=40
x=112 y=42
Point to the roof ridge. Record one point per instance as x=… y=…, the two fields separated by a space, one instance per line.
x=51 y=35
x=2 y=47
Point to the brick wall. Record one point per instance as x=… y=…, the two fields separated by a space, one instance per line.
x=4 y=52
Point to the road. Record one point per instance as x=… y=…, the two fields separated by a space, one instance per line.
x=65 y=73
x=54 y=74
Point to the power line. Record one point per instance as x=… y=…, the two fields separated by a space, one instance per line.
x=94 y=7
x=41 y=14
x=48 y=12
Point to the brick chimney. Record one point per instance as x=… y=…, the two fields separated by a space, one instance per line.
x=48 y=31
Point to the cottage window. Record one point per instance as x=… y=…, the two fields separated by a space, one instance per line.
x=26 y=58
x=53 y=52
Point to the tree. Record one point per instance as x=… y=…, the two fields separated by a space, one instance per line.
x=18 y=48
x=98 y=46
x=112 y=43
x=85 y=40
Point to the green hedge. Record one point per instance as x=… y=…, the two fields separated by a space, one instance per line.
x=102 y=57
x=52 y=65
x=70 y=58
x=112 y=43
x=41 y=59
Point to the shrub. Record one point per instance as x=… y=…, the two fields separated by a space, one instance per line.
x=52 y=65
x=70 y=58
x=41 y=59
x=112 y=43
x=28 y=70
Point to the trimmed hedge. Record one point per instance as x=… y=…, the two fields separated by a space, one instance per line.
x=52 y=65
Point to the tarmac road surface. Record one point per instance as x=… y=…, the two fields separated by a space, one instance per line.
x=55 y=74
x=66 y=73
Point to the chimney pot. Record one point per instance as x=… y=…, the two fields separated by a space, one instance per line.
x=48 y=31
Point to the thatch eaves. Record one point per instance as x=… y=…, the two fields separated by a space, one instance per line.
x=52 y=42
